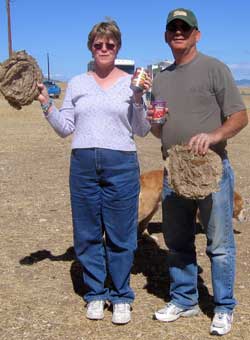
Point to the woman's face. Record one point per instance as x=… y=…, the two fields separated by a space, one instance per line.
x=104 y=50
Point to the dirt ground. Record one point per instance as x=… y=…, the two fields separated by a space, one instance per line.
x=40 y=286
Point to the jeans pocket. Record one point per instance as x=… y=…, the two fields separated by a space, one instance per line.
x=131 y=158
x=228 y=174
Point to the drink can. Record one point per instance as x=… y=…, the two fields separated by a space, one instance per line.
x=138 y=79
x=159 y=111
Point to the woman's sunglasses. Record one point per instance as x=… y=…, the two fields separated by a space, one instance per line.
x=172 y=27
x=99 y=46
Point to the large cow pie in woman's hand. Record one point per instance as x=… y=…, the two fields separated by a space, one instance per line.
x=19 y=76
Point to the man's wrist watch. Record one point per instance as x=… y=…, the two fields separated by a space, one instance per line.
x=46 y=107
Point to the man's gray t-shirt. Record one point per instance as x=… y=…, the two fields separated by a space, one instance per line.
x=200 y=95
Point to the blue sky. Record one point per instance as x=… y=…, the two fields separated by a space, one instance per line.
x=61 y=27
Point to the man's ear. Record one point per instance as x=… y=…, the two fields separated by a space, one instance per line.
x=166 y=39
x=198 y=36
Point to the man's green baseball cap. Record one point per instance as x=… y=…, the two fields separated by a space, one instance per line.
x=184 y=15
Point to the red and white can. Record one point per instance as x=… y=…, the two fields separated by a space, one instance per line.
x=138 y=79
x=159 y=111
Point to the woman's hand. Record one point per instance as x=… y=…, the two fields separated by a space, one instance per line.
x=147 y=83
x=43 y=97
x=146 y=87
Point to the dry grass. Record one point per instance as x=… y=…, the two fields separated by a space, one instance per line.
x=245 y=92
x=40 y=287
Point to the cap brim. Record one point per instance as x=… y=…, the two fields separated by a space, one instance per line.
x=179 y=17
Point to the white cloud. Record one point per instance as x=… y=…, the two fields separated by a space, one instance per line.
x=56 y=76
x=240 y=70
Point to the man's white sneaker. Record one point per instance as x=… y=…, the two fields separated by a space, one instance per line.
x=95 y=310
x=121 y=313
x=221 y=324
x=171 y=312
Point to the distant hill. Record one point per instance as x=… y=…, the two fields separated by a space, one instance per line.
x=243 y=82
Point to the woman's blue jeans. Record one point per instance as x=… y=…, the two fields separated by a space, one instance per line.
x=179 y=215
x=104 y=187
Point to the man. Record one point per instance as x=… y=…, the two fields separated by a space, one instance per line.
x=204 y=110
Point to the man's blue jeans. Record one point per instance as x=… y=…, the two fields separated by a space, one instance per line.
x=179 y=215
x=104 y=187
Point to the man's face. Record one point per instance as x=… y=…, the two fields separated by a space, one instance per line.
x=180 y=36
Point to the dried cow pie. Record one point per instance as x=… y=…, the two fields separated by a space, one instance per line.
x=18 y=79
x=193 y=176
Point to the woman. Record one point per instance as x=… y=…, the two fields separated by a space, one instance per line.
x=103 y=114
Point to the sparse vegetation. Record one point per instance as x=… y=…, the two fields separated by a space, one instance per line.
x=40 y=285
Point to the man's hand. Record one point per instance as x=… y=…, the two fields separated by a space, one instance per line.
x=200 y=143
x=233 y=125
x=150 y=114
x=155 y=128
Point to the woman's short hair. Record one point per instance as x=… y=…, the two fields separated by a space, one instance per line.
x=107 y=29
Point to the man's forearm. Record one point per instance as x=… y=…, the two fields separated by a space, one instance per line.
x=156 y=130
x=201 y=142
x=233 y=125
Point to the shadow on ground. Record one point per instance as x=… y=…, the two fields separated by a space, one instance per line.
x=150 y=260
x=69 y=255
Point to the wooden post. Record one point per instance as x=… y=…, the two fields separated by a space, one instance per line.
x=48 y=66
x=9 y=27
